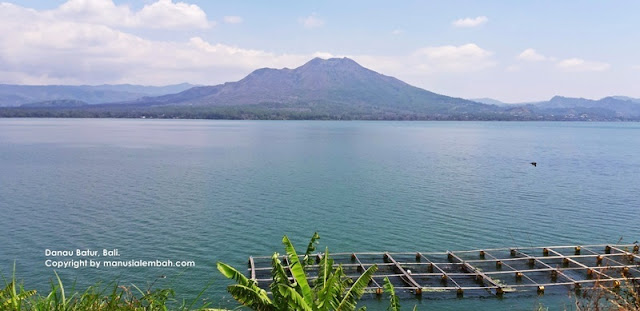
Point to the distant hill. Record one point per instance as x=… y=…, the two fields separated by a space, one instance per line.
x=57 y=103
x=489 y=101
x=16 y=95
x=625 y=98
x=608 y=106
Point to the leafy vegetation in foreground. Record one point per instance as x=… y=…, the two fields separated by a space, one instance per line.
x=600 y=297
x=332 y=290
x=95 y=298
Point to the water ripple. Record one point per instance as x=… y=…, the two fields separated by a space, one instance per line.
x=223 y=190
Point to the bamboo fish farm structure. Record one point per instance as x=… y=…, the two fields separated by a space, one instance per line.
x=483 y=272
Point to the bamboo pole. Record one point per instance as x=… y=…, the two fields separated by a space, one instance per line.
x=483 y=276
x=407 y=278
x=252 y=267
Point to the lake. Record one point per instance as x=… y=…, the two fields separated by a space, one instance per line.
x=204 y=191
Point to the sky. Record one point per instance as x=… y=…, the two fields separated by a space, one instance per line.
x=513 y=51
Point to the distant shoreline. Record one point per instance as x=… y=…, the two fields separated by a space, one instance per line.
x=242 y=113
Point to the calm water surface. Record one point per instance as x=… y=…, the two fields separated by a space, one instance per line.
x=224 y=190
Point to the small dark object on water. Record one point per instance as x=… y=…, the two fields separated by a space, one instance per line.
x=534 y=164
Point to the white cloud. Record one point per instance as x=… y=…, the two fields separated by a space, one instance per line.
x=531 y=55
x=470 y=22
x=67 y=51
x=397 y=32
x=449 y=58
x=164 y=14
x=581 y=65
x=637 y=67
x=569 y=64
x=311 y=21
x=233 y=19
x=243 y=58
x=512 y=68
x=56 y=50
x=325 y=55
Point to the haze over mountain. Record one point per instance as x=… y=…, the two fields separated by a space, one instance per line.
x=67 y=103
x=627 y=98
x=16 y=95
x=488 y=101
x=337 y=88
x=611 y=106
x=608 y=106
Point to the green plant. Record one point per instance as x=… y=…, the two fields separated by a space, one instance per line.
x=113 y=297
x=394 y=301
x=332 y=290
x=626 y=297
x=12 y=295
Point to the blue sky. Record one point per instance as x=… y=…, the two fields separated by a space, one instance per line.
x=513 y=51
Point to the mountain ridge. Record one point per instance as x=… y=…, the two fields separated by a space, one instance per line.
x=16 y=95
x=335 y=88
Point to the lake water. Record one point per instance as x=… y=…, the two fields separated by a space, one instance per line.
x=207 y=191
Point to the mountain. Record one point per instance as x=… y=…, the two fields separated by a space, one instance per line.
x=333 y=87
x=625 y=98
x=489 y=101
x=16 y=95
x=57 y=103
x=608 y=106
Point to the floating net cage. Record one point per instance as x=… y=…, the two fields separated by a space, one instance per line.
x=481 y=273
